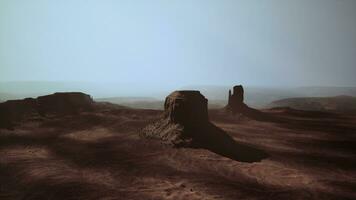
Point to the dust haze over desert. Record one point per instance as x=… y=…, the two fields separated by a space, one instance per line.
x=177 y=99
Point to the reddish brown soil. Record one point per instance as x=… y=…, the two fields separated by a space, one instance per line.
x=100 y=156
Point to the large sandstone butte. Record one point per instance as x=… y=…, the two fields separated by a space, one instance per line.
x=188 y=108
x=185 y=123
x=184 y=113
x=14 y=111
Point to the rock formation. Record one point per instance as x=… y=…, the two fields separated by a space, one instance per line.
x=185 y=123
x=236 y=99
x=64 y=103
x=184 y=112
x=187 y=108
x=13 y=111
x=236 y=105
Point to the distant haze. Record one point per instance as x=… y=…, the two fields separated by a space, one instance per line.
x=139 y=97
x=146 y=47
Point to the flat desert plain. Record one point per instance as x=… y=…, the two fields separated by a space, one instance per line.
x=100 y=155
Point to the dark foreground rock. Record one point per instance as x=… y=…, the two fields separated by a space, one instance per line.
x=185 y=123
x=14 y=111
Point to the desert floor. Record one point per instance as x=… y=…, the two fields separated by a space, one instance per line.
x=100 y=155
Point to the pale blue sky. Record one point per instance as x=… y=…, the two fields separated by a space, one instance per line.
x=173 y=43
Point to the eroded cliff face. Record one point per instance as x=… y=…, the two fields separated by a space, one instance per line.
x=186 y=107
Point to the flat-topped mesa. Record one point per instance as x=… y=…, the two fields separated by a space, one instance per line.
x=236 y=99
x=64 y=103
x=187 y=107
x=14 y=111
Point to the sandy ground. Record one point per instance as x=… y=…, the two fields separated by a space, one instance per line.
x=100 y=156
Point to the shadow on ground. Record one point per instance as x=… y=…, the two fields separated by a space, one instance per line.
x=218 y=141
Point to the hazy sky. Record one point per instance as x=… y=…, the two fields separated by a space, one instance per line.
x=172 y=43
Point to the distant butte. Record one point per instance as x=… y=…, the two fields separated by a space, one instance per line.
x=236 y=106
x=236 y=100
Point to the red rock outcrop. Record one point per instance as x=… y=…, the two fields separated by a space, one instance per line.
x=184 y=111
x=186 y=108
